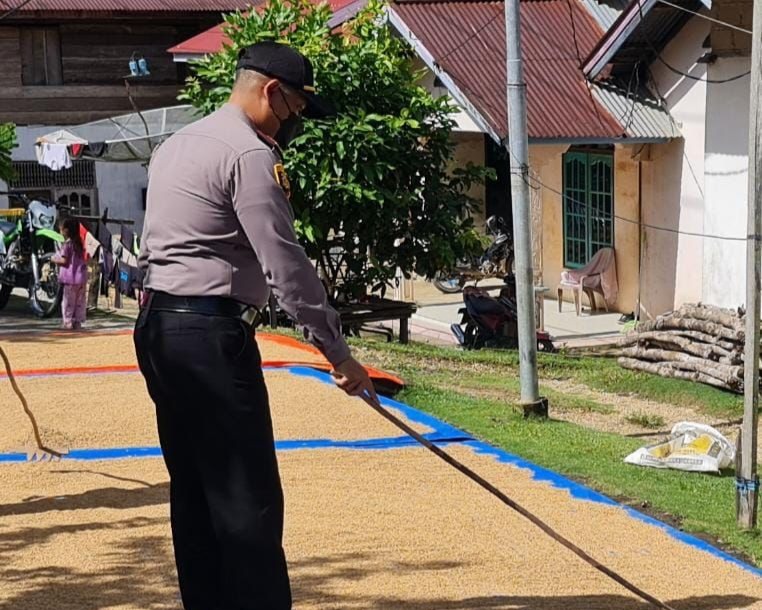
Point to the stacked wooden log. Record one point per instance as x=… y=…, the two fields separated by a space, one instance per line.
x=697 y=342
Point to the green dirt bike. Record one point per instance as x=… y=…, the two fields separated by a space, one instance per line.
x=27 y=245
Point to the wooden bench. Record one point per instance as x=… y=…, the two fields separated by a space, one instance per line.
x=357 y=316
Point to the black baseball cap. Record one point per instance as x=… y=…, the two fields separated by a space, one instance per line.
x=287 y=65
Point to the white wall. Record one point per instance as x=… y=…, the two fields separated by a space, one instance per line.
x=672 y=268
x=463 y=122
x=120 y=190
x=726 y=167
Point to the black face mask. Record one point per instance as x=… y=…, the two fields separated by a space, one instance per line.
x=289 y=129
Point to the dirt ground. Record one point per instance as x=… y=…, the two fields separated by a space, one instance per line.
x=101 y=411
x=393 y=530
x=366 y=529
x=115 y=348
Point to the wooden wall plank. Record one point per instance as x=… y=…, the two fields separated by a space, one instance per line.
x=52 y=92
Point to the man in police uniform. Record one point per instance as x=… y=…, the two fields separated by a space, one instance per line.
x=218 y=236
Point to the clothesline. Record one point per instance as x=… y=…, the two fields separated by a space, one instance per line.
x=116 y=257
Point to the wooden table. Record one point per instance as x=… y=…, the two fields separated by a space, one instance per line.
x=357 y=315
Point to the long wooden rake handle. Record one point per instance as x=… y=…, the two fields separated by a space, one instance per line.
x=45 y=451
x=439 y=452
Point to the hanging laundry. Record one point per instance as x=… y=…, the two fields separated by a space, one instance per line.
x=104 y=238
x=85 y=235
x=103 y=235
x=130 y=281
x=76 y=150
x=96 y=149
x=129 y=276
x=92 y=245
x=54 y=156
x=128 y=238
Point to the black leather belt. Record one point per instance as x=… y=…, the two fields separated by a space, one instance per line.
x=208 y=306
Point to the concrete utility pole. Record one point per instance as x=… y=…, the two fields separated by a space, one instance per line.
x=517 y=143
x=747 y=480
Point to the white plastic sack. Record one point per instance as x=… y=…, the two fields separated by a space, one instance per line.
x=693 y=447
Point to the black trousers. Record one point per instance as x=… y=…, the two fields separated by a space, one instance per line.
x=205 y=376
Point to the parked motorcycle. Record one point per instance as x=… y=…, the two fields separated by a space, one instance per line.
x=27 y=245
x=492 y=322
x=496 y=262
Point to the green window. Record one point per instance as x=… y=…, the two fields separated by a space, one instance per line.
x=588 y=205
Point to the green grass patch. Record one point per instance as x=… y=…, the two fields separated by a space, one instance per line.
x=646 y=420
x=602 y=374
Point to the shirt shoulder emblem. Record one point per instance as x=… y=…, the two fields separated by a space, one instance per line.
x=282 y=178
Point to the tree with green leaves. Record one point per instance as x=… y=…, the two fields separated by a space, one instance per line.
x=374 y=188
x=7 y=143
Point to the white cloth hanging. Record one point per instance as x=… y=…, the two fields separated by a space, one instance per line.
x=54 y=156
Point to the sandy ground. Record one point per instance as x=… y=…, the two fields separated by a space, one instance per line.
x=393 y=530
x=93 y=348
x=98 y=411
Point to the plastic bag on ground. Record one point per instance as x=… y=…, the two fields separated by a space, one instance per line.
x=692 y=447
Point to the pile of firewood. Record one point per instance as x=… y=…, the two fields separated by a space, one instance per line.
x=697 y=342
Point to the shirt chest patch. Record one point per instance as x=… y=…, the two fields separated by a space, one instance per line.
x=281 y=177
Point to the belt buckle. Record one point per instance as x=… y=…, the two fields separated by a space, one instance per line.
x=250 y=315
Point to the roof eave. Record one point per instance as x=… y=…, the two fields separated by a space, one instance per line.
x=460 y=98
x=184 y=58
x=623 y=27
x=599 y=140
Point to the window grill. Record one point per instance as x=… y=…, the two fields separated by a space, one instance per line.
x=32 y=175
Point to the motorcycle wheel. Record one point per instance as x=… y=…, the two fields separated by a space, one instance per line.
x=5 y=294
x=449 y=283
x=546 y=346
x=45 y=295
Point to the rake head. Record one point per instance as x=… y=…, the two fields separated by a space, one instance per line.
x=36 y=450
x=43 y=454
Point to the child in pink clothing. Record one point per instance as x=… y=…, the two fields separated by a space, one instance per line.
x=72 y=275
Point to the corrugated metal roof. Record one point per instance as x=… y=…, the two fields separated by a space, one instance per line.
x=641 y=32
x=209 y=41
x=467 y=40
x=130 y=6
x=212 y=39
x=641 y=115
x=605 y=12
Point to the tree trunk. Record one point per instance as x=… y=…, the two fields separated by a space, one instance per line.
x=665 y=369
x=683 y=323
x=704 y=350
x=685 y=361
x=726 y=317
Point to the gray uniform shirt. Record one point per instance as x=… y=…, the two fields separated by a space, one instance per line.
x=219 y=223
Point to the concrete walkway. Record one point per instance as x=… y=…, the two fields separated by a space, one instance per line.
x=437 y=311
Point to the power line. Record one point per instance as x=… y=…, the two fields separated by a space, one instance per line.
x=677 y=71
x=638 y=222
x=711 y=81
x=616 y=216
x=707 y=17
x=474 y=34
x=593 y=101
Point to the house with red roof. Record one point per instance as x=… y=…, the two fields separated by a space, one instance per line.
x=211 y=40
x=591 y=141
